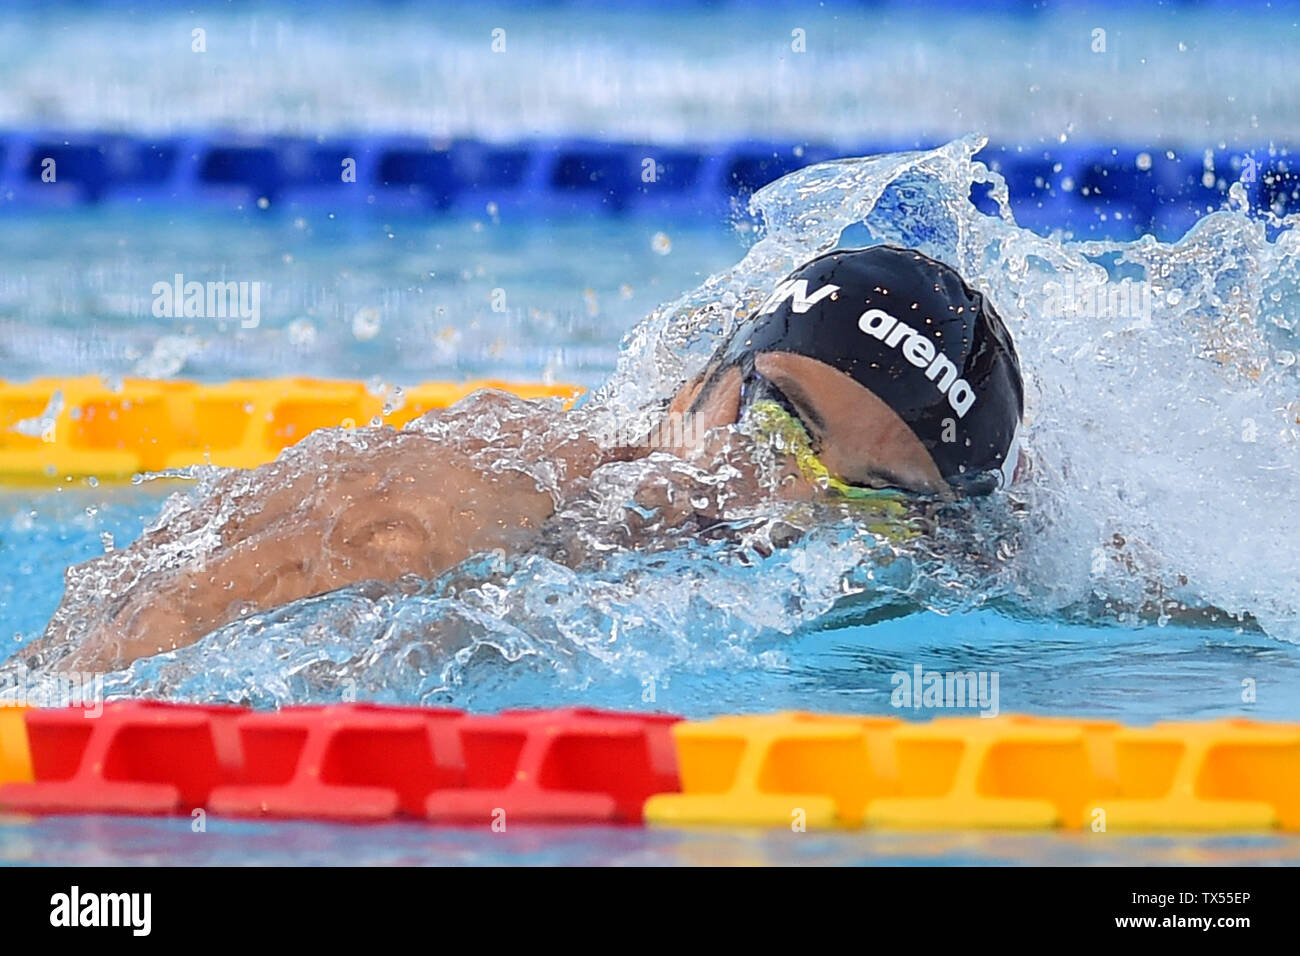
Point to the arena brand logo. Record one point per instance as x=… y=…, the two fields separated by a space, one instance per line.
x=921 y=352
x=796 y=290
x=917 y=348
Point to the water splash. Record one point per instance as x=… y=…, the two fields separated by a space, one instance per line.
x=1163 y=444
x=1161 y=448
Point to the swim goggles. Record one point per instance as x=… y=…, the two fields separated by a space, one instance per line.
x=776 y=422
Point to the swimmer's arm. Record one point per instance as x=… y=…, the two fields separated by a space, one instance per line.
x=348 y=534
x=410 y=505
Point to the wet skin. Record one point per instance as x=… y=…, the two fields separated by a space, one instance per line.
x=413 y=505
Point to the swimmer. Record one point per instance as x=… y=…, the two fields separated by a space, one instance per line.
x=885 y=373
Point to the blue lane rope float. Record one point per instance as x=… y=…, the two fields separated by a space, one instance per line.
x=1091 y=190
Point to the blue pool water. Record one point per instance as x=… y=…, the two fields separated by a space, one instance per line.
x=402 y=299
x=1192 y=72
x=103 y=841
x=1045 y=666
x=825 y=624
x=1049 y=603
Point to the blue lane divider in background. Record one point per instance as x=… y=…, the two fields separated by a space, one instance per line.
x=1087 y=190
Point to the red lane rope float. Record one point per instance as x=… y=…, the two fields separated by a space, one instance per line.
x=560 y=766
x=353 y=762
x=136 y=757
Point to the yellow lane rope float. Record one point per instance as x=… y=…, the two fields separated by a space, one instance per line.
x=57 y=428
x=15 y=758
x=973 y=773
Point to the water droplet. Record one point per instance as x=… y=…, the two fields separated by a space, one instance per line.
x=366 y=323
x=396 y=399
x=302 y=334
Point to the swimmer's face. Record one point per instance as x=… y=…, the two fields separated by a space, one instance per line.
x=859 y=438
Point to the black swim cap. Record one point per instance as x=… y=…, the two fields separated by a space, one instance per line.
x=909 y=329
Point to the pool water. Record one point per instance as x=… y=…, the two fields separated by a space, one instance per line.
x=110 y=841
x=697 y=631
x=1192 y=670
x=1195 y=73
x=399 y=299
x=830 y=623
